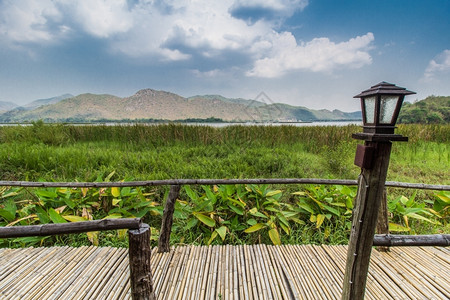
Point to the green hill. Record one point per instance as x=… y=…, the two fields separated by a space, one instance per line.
x=149 y=104
x=431 y=110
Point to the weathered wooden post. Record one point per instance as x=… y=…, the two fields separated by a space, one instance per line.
x=167 y=219
x=380 y=108
x=139 y=253
x=383 y=220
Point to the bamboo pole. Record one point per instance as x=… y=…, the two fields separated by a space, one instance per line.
x=420 y=186
x=67 y=228
x=167 y=219
x=412 y=240
x=140 y=268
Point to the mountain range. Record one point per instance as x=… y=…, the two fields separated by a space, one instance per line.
x=149 y=104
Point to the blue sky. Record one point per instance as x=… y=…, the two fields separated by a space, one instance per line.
x=316 y=53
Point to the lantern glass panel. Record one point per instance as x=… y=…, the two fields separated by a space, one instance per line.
x=387 y=108
x=369 y=108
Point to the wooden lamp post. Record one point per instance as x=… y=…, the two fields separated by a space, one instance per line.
x=380 y=107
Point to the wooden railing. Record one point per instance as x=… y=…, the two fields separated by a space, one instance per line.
x=139 y=233
x=139 y=252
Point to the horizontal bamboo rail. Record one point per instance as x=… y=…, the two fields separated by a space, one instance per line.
x=218 y=181
x=139 y=246
x=69 y=228
x=442 y=240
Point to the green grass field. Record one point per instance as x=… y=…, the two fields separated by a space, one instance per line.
x=59 y=152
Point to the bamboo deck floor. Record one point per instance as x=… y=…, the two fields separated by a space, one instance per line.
x=222 y=272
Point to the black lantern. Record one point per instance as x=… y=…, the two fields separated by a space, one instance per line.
x=380 y=107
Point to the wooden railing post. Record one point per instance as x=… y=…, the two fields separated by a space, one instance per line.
x=167 y=219
x=383 y=220
x=365 y=215
x=140 y=269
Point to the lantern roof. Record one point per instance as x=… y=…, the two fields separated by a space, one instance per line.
x=384 y=88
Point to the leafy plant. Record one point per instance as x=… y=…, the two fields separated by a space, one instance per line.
x=403 y=209
x=326 y=205
x=61 y=205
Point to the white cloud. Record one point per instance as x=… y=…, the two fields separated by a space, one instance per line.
x=318 y=55
x=438 y=66
x=30 y=21
x=100 y=18
x=179 y=30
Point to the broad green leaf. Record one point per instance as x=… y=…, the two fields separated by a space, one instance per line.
x=205 y=219
x=191 y=194
x=237 y=210
x=286 y=229
x=113 y=216
x=141 y=213
x=332 y=210
x=93 y=237
x=46 y=194
x=213 y=236
x=299 y=193
x=397 y=228
x=273 y=193
x=274 y=236
x=289 y=214
x=282 y=219
x=209 y=194
x=72 y=218
x=254 y=228
x=403 y=199
x=326 y=232
x=115 y=201
x=254 y=212
x=238 y=203
x=9 y=210
x=7 y=215
x=108 y=178
x=115 y=191
x=411 y=199
x=251 y=222
x=191 y=223
x=444 y=198
x=42 y=215
x=126 y=191
x=55 y=217
x=419 y=217
x=70 y=203
x=306 y=207
x=320 y=219
x=298 y=221
x=222 y=231
x=349 y=203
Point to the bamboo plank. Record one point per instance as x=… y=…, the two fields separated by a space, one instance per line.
x=251 y=270
x=234 y=272
x=295 y=274
x=20 y=271
x=283 y=279
x=432 y=272
x=34 y=267
x=65 y=263
x=301 y=270
x=170 y=277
